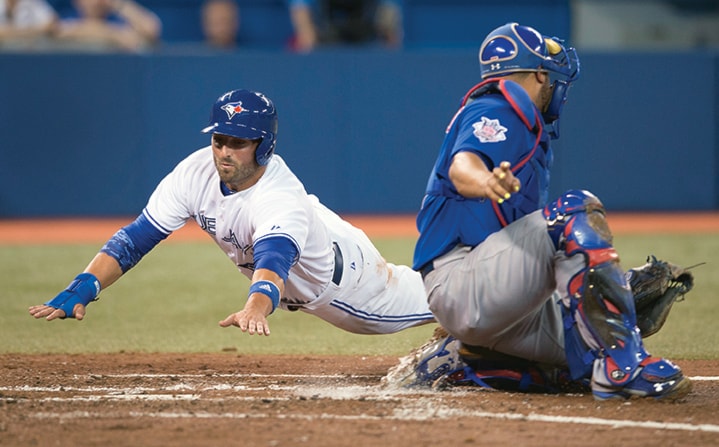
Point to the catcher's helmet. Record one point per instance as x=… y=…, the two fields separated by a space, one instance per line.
x=246 y=114
x=513 y=48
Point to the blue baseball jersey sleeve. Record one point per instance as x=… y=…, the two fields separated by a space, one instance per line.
x=447 y=219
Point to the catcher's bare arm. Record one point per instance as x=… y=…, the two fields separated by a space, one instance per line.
x=472 y=178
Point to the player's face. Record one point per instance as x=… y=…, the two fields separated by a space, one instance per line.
x=545 y=93
x=235 y=161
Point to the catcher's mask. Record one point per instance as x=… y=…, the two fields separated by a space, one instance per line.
x=514 y=48
x=246 y=114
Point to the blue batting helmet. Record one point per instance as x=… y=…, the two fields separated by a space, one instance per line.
x=513 y=48
x=246 y=114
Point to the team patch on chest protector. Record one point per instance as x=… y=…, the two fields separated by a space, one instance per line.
x=489 y=130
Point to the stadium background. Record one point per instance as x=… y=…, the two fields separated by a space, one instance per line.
x=90 y=134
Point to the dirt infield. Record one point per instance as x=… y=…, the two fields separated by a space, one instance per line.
x=129 y=399
x=229 y=399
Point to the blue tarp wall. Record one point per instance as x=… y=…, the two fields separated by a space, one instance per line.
x=92 y=134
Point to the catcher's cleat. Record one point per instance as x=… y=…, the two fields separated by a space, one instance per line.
x=435 y=359
x=444 y=362
x=529 y=377
x=655 y=378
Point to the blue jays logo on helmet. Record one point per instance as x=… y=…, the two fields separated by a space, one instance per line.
x=232 y=107
x=514 y=48
x=246 y=114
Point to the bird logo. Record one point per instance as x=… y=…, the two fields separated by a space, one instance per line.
x=233 y=108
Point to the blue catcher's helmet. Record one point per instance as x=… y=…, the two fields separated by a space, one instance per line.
x=246 y=114
x=513 y=48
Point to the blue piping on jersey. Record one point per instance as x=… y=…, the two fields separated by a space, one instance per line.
x=284 y=235
x=154 y=222
x=375 y=317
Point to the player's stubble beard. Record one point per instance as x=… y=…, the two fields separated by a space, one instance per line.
x=237 y=176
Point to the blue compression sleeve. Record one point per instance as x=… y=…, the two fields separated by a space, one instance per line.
x=277 y=253
x=132 y=242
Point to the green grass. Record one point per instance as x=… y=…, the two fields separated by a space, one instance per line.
x=692 y=329
x=173 y=300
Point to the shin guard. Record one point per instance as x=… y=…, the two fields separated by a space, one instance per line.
x=600 y=318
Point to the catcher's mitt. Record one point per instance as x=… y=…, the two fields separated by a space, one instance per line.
x=656 y=286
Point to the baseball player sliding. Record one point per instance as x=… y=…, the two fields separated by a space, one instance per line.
x=518 y=280
x=298 y=254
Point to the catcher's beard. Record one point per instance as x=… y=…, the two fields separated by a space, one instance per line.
x=545 y=95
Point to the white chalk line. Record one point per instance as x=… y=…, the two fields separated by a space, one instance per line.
x=278 y=376
x=155 y=397
x=142 y=389
x=420 y=409
x=429 y=411
x=215 y=387
x=231 y=376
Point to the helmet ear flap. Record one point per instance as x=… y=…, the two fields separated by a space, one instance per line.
x=264 y=151
x=269 y=139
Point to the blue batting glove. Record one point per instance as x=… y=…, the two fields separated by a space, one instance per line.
x=83 y=290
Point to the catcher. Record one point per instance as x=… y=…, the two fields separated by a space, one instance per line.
x=530 y=290
x=655 y=286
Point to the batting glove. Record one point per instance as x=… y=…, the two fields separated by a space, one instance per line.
x=82 y=290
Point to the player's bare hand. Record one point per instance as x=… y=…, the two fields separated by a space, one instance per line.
x=502 y=183
x=248 y=321
x=50 y=313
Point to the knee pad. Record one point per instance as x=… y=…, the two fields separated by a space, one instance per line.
x=599 y=293
x=589 y=232
x=576 y=224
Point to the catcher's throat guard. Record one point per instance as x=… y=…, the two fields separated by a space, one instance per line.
x=599 y=314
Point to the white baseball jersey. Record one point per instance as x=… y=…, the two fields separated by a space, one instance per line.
x=373 y=296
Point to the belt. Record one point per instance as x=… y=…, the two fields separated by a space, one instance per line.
x=339 y=264
x=424 y=271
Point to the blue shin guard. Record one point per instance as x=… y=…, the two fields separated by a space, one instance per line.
x=600 y=320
